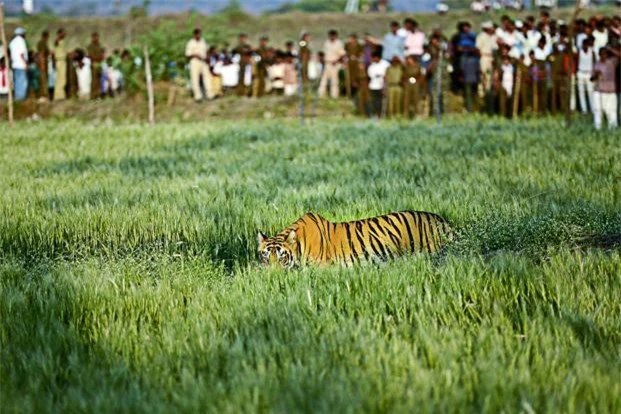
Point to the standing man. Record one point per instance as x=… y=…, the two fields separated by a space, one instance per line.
x=43 y=54
x=414 y=39
x=333 y=55
x=304 y=56
x=19 y=63
x=263 y=62
x=394 y=45
x=377 y=73
x=242 y=50
x=96 y=54
x=196 y=52
x=586 y=61
x=605 y=95
x=394 y=79
x=412 y=78
x=487 y=44
x=353 y=51
x=60 y=61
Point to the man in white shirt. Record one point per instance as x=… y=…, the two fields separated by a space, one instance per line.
x=586 y=60
x=333 y=50
x=377 y=73
x=19 y=63
x=196 y=52
x=600 y=34
x=487 y=43
x=414 y=38
x=229 y=71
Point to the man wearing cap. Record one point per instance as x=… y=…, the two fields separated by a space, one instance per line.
x=196 y=52
x=487 y=43
x=334 y=51
x=19 y=63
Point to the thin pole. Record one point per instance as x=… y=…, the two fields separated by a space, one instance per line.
x=6 y=61
x=572 y=28
x=147 y=69
x=517 y=91
x=437 y=107
x=300 y=66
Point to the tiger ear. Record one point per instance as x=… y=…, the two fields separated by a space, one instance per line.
x=261 y=238
x=292 y=236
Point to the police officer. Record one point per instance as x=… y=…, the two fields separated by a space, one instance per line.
x=262 y=63
x=353 y=51
x=412 y=78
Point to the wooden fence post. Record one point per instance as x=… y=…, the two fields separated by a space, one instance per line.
x=5 y=49
x=147 y=68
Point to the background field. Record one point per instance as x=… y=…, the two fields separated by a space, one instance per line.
x=128 y=278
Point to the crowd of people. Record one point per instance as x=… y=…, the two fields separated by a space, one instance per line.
x=53 y=72
x=512 y=68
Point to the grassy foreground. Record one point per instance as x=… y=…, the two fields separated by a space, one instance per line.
x=128 y=280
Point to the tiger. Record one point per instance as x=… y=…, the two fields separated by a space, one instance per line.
x=315 y=240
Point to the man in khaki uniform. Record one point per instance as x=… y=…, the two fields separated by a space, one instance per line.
x=353 y=51
x=97 y=54
x=304 y=56
x=412 y=79
x=260 y=70
x=196 y=52
x=60 y=60
x=333 y=55
x=242 y=49
x=394 y=79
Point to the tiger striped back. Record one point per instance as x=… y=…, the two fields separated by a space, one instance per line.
x=314 y=240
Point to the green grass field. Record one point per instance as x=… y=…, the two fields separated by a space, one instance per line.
x=128 y=277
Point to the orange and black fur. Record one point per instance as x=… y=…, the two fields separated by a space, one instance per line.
x=314 y=240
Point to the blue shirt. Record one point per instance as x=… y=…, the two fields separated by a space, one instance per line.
x=394 y=45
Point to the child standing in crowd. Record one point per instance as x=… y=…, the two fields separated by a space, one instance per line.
x=229 y=71
x=82 y=66
x=605 y=94
x=276 y=73
x=290 y=76
x=505 y=88
x=4 y=79
x=377 y=72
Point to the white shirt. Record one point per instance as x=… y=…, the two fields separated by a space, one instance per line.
x=230 y=75
x=601 y=40
x=414 y=43
x=586 y=60
x=277 y=74
x=580 y=37
x=19 y=53
x=542 y=54
x=532 y=40
x=507 y=70
x=84 y=78
x=196 y=47
x=377 y=72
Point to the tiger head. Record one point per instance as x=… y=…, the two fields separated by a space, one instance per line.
x=277 y=250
